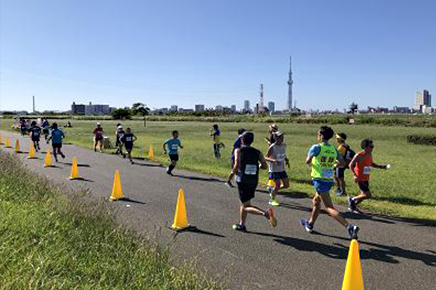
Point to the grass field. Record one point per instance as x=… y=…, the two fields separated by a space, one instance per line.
x=48 y=241
x=407 y=189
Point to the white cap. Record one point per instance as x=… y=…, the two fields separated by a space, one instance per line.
x=98 y=124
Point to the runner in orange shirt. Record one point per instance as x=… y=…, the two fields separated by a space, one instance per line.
x=360 y=166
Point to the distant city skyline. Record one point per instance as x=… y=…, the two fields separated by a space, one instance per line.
x=215 y=53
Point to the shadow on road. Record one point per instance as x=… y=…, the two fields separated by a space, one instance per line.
x=146 y=164
x=199 y=178
x=78 y=165
x=126 y=199
x=196 y=230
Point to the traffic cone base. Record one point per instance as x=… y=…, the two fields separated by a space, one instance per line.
x=117 y=192
x=180 y=218
x=353 y=272
x=17 y=146
x=74 y=170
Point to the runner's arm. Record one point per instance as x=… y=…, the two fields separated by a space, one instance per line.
x=379 y=166
x=263 y=164
x=236 y=165
x=164 y=147
x=268 y=155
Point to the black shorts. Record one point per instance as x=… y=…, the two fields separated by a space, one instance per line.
x=278 y=175
x=128 y=146
x=339 y=172
x=246 y=191
x=174 y=157
x=98 y=139
x=363 y=185
x=57 y=145
x=35 y=139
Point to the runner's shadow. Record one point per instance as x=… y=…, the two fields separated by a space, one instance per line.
x=126 y=199
x=198 y=178
x=146 y=164
x=295 y=206
x=387 y=253
x=365 y=216
x=78 y=165
x=82 y=179
x=304 y=181
x=196 y=230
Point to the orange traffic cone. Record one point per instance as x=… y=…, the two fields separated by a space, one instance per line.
x=181 y=218
x=151 y=152
x=17 y=146
x=353 y=272
x=47 y=160
x=1 y=139
x=117 y=192
x=31 y=152
x=8 y=143
x=74 y=170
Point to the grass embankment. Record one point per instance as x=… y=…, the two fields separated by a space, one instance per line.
x=406 y=190
x=48 y=241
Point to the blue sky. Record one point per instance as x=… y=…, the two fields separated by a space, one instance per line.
x=187 y=52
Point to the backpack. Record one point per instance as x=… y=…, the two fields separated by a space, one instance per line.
x=349 y=154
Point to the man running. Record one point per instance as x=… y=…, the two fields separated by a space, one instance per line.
x=173 y=146
x=35 y=135
x=276 y=157
x=236 y=145
x=217 y=144
x=46 y=128
x=247 y=162
x=128 y=139
x=347 y=155
x=322 y=158
x=56 y=136
x=98 y=138
x=361 y=168
x=118 y=144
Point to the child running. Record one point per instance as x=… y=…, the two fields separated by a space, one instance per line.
x=173 y=146
x=217 y=144
x=322 y=158
x=247 y=161
x=118 y=135
x=98 y=138
x=46 y=128
x=361 y=168
x=236 y=145
x=347 y=155
x=276 y=157
x=56 y=136
x=127 y=139
x=35 y=135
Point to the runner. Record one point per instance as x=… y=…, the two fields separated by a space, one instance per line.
x=173 y=146
x=247 y=161
x=361 y=168
x=98 y=138
x=46 y=128
x=236 y=145
x=128 y=139
x=347 y=155
x=276 y=157
x=118 y=135
x=217 y=144
x=35 y=135
x=322 y=157
x=272 y=129
x=56 y=136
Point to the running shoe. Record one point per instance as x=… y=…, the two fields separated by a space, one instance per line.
x=274 y=202
x=169 y=172
x=351 y=205
x=307 y=226
x=239 y=227
x=229 y=184
x=339 y=192
x=63 y=155
x=269 y=215
x=357 y=210
x=352 y=231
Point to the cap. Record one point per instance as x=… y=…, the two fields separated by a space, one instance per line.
x=278 y=133
x=274 y=127
x=98 y=124
x=120 y=127
x=341 y=136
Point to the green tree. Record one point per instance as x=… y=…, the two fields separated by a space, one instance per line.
x=120 y=114
x=141 y=109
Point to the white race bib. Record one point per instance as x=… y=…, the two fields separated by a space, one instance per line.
x=128 y=139
x=250 y=169
x=174 y=146
x=281 y=157
x=367 y=170
x=327 y=173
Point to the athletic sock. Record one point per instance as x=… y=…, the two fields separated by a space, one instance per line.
x=170 y=168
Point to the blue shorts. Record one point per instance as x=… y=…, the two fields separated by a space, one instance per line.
x=323 y=185
x=278 y=175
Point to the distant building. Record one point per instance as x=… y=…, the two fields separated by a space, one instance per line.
x=219 y=108
x=423 y=98
x=233 y=108
x=199 y=108
x=174 y=108
x=97 y=109
x=77 y=109
x=247 y=105
x=271 y=107
x=401 y=110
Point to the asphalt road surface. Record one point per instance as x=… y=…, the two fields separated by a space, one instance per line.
x=395 y=253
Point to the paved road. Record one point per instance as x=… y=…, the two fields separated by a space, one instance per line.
x=395 y=253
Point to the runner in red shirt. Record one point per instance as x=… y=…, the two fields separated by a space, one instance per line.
x=360 y=166
x=98 y=137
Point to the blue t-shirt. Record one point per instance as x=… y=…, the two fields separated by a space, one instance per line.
x=173 y=145
x=56 y=136
x=236 y=145
x=316 y=149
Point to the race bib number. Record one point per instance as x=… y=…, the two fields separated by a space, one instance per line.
x=128 y=139
x=327 y=173
x=281 y=157
x=36 y=133
x=367 y=170
x=250 y=169
x=174 y=146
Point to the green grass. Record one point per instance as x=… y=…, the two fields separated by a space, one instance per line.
x=48 y=241
x=407 y=189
